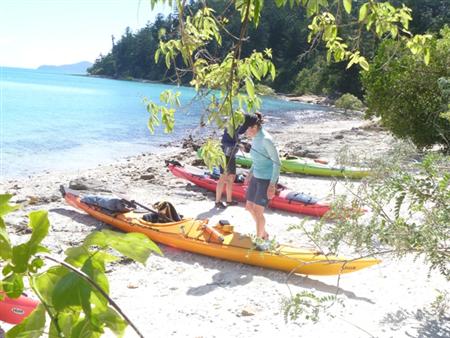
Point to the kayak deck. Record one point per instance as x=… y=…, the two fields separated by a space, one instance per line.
x=284 y=198
x=310 y=167
x=225 y=243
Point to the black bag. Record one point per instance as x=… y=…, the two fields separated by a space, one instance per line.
x=166 y=213
x=108 y=204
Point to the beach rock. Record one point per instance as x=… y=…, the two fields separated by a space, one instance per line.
x=306 y=153
x=83 y=183
x=147 y=177
x=37 y=200
x=248 y=311
x=339 y=137
x=190 y=143
x=197 y=162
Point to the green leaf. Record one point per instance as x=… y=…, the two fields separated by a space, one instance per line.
x=427 y=56
x=66 y=321
x=36 y=264
x=31 y=327
x=168 y=61
x=21 y=254
x=348 y=6
x=46 y=281
x=84 y=328
x=5 y=208
x=77 y=256
x=363 y=12
x=112 y=320
x=363 y=63
x=272 y=71
x=40 y=225
x=133 y=245
x=95 y=268
x=70 y=290
x=5 y=244
x=13 y=285
x=249 y=87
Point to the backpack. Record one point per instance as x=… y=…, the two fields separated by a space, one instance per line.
x=166 y=213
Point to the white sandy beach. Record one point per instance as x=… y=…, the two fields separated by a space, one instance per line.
x=182 y=294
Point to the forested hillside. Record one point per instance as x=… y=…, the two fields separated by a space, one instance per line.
x=301 y=66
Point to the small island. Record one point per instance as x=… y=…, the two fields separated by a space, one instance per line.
x=74 y=68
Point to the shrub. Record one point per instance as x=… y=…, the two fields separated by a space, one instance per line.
x=264 y=90
x=349 y=102
x=406 y=93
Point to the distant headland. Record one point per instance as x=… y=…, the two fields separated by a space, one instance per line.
x=75 y=68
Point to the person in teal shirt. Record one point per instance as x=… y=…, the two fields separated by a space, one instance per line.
x=263 y=176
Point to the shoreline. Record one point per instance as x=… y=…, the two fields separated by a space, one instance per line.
x=207 y=297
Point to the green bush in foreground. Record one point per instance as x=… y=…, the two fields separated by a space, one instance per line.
x=73 y=293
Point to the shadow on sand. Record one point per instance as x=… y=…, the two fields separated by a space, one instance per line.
x=231 y=273
x=429 y=325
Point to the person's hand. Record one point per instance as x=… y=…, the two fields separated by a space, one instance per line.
x=247 y=179
x=271 y=191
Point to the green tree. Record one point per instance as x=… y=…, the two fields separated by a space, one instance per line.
x=235 y=74
x=405 y=92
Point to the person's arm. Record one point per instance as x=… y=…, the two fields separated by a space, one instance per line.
x=275 y=158
x=249 y=175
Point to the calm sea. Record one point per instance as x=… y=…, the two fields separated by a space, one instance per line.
x=51 y=121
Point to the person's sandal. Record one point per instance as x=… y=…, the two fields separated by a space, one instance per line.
x=232 y=203
x=263 y=246
x=220 y=205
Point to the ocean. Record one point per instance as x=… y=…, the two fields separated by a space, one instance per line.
x=53 y=121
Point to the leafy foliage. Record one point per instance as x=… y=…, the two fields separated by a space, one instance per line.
x=234 y=75
x=75 y=293
x=410 y=213
x=406 y=94
x=441 y=305
x=308 y=305
x=349 y=102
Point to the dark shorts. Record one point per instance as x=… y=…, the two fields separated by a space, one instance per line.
x=230 y=158
x=257 y=191
x=231 y=166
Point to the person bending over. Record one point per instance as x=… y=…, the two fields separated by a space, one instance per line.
x=262 y=177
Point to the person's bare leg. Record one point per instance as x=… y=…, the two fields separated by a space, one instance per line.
x=229 y=187
x=257 y=213
x=260 y=220
x=250 y=206
x=219 y=189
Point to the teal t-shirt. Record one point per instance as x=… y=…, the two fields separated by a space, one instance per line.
x=266 y=162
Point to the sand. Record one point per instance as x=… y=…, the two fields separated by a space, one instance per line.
x=183 y=294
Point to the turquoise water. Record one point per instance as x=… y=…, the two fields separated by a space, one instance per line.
x=51 y=121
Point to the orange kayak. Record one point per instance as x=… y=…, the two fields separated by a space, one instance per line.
x=221 y=241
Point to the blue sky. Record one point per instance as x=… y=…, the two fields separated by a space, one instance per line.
x=56 y=32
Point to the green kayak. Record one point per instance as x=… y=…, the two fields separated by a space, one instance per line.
x=309 y=167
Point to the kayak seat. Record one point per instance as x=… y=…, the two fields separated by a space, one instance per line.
x=300 y=197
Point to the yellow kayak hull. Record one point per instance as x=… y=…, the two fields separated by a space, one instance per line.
x=195 y=236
